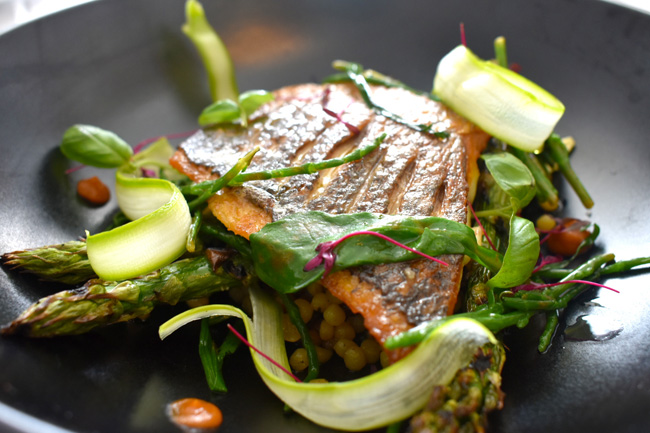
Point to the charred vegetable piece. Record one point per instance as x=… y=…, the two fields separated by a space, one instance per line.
x=464 y=404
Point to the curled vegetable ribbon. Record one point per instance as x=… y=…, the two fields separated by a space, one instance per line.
x=382 y=398
x=156 y=236
x=500 y=101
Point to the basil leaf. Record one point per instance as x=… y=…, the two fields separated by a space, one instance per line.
x=520 y=257
x=253 y=99
x=222 y=111
x=512 y=176
x=94 y=146
x=281 y=249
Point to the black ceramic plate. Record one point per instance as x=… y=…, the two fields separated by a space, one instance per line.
x=125 y=66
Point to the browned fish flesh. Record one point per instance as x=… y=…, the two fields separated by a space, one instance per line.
x=411 y=173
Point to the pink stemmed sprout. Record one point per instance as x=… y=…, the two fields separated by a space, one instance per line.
x=338 y=116
x=463 y=40
x=478 y=221
x=327 y=256
x=546 y=260
x=267 y=357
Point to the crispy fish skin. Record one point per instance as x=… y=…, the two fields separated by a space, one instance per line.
x=411 y=173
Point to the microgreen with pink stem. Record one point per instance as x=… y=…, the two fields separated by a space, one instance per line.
x=478 y=221
x=463 y=40
x=546 y=260
x=338 y=116
x=327 y=256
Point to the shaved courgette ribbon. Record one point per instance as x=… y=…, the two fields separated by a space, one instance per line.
x=498 y=100
x=382 y=398
x=213 y=52
x=154 y=239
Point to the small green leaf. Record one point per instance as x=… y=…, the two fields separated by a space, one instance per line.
x=223 y=111
x=253 y=99
x=521 y=255
x=94 y=146
x=512 y=176
x=281 y=249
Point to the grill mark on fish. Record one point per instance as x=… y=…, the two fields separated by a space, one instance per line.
x=402 y=181
x=356 y=202
x=411 y=174
x=324 y=177
x=344 y=187
x=381 y=194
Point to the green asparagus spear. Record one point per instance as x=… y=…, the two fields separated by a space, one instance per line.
x=101 y=302
x=64 y=263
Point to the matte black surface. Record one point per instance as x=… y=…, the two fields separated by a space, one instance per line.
x=125 y=66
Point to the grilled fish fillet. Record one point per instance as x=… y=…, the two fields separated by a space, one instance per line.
x=411 y=173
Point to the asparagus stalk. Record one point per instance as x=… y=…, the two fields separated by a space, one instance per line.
x=101 y=302
x=64 y=263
